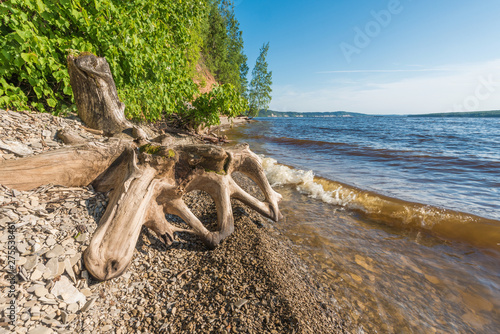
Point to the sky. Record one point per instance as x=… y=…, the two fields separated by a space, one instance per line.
x=377 y=57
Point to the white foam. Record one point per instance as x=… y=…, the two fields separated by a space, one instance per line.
x=279 y=175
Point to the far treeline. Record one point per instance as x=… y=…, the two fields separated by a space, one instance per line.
x=489 y=113
x=153 y=48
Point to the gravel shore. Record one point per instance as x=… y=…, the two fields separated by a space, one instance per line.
x=252 y=283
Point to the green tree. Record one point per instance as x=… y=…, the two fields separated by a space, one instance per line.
x=260 y=90
x=223 y=48
x=216 y=41
x=236 y=61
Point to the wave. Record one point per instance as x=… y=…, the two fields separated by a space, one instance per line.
x=380 y=154
x=447 y=224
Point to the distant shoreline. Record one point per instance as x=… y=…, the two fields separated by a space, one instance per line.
x=489 y=113
x=291 y=114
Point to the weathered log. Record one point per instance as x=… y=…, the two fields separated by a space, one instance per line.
x=69 y=137
x=70 y=166
x=145 y=181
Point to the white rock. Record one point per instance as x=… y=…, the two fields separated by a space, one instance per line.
x=21 y=261
x=76 y=258
x=40 y=330
x=87 y=292
x=15 y=147
x=48 y=301
x=41 y=291
x=40 y=267
x=69 y=269
x=50 y=241
x=106 y=328
x=32 y=288
x=71 y=317
x=71 y=252
x=60 y=268
x=69 y=241
x=73 y=307
x=55 y=252
x=36 y=275
x=89 y=304
x=64 y=317
x=67 y=291
x=34 y=202
x=31 y=262
x=52 y=266
x=21 y=247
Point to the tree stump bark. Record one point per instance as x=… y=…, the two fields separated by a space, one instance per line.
x=144 y=182
x=95 y=94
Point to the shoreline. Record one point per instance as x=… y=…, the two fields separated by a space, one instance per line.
x=227 y=123
x=253 y=282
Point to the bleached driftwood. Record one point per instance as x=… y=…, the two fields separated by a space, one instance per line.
x=145 y=181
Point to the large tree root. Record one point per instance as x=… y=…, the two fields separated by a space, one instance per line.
x=148 y=186
x=146 y=183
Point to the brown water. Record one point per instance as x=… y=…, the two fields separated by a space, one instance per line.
x=389 y=280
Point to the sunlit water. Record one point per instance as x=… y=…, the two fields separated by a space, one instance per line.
x=403 y=223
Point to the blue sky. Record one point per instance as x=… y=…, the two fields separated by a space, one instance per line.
x=377 y=57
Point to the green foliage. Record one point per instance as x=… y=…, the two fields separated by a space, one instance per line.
x=215 y=46
x=223 y=47
x=150 y=149
x=225 y=100
x=260 y=90
x=151 y=46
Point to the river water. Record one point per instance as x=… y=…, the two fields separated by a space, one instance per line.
x=401 y=215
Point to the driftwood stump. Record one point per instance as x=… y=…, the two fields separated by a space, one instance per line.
x=145 y=181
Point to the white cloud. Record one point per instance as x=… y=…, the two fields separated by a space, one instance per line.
x=464 y=87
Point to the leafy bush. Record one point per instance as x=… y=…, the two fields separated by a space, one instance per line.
x=151 y=46
x=225 y=100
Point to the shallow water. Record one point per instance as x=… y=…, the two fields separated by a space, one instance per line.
x=392 y=272
x=393 y=280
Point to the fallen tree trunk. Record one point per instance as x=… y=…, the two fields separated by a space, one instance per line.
x=70 y=166
x=144 y=182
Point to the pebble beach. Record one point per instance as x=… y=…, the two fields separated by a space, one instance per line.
x=252 y=283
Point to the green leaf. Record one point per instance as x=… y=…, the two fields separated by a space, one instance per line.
x=29 y=57
x=38 y=91
x=40 y=5
x=4 y=100
x=21 y=36
x=51 y=102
